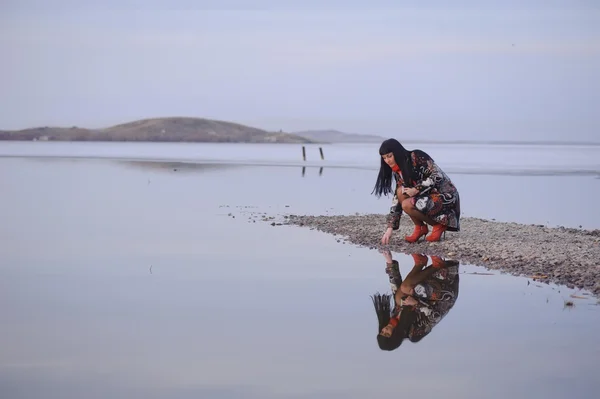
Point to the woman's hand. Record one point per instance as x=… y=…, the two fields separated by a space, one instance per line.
x=385 y=240
x=387 y=255
x=410 y=301
x=411 y=192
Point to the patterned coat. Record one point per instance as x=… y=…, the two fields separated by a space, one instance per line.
x=437 y=198
x=440 y=292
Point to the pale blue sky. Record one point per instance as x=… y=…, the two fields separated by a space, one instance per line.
x=435 y=69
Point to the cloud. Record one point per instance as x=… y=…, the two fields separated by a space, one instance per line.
x=462 y=62
x=308 y=38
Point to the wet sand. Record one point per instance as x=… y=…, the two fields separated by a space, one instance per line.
x=560 y=255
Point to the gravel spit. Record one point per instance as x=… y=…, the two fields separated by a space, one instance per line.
x=560 y=255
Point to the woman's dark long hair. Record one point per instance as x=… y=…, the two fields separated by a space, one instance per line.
x=403 y=160
x=383 y=309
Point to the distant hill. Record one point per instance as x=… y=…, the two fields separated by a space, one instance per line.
x=175 y=129
x=335 y=136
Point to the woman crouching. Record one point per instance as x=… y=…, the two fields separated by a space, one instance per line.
x=423 y=191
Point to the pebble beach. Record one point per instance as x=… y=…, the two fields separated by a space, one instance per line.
x=560 y=255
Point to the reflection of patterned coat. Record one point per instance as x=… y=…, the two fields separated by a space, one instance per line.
x=440 y=291
x=438 y=197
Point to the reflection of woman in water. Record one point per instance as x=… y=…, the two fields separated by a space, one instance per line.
x=420 y=301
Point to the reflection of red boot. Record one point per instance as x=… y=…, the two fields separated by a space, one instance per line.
x=419 y=232
x=437 y=262
x=436 y=232
x=420 y=260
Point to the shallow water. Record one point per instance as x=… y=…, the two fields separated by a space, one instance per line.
x=536 y=159
x=121 y=279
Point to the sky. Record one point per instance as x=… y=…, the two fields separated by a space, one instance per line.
x=503 y=70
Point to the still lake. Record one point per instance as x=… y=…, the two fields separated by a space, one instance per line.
x=121 y=277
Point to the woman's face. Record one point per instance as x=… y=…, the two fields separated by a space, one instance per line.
x=389 y=159
x=387 y=330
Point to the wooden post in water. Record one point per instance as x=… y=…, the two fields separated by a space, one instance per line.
x=321 y=151
x=303 y=170
x=304 y=153
x=321 y=171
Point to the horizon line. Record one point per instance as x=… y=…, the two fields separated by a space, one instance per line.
x=315 y=130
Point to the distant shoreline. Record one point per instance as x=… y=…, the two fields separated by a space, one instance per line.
x=410 y=141
x=163 y=142
x=202 y=130
x=170 y=129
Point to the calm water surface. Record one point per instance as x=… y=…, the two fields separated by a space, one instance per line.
x=127 y=279
x=454 y=158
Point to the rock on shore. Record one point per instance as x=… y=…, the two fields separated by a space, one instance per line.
x=560 y=255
